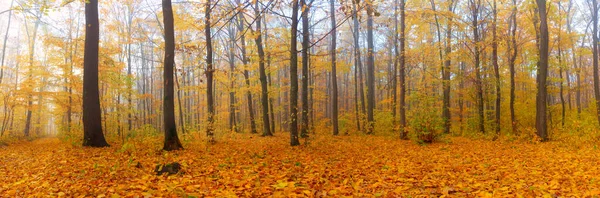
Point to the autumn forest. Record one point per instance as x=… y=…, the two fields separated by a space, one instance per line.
x=299 y=98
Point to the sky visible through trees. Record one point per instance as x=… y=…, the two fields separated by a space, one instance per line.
x=130 y=75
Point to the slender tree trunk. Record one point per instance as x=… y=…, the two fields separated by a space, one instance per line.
x=129 y=75
x=595 y=56
x=4 y=42
x=181 y=118
x=446 y=72
x=560 y=68
x=92 y=117
x=305 y=57
x=246 y=72
x=475 y=6
x=294 y=76
x=171 y=139
x=358 y=66
x=542 y=73
x=512 y=60
x=402 y=60
x=334 y=97
x=231 y=54
x=270 y=80
x=562 y=96
x=496 y=68
x=30 y=76
x=263 y=74
x=395 y=62
x=209 y=74
x=370 y=68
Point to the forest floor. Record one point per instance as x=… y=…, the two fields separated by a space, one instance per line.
x=251 y=166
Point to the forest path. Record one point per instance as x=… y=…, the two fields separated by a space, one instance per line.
x=250 y=166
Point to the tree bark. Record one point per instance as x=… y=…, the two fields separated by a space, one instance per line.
x=231 y=54
x=475 y=7
x=263 y=75
x=210 y=126
x=542 y=74
x=171 y=139
x=512 y=60
x=294 y=76
x=370 y=68
x=358 y=67
x=92 y=118
x=496 y=68
x=595 y=56
x=334 y=97
x=402 y=77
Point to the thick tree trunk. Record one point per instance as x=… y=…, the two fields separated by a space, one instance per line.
x=542 y=74
x=294 y=76
x=92 y=120
x=171 y=139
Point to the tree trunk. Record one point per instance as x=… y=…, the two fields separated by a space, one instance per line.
x=496 y=68
x=542 y=73
x=358 y=67
x=30 y=76
x=512 y=60
x=269 y=79
x=305 y=58
x=263 y=75
x=402 y=60
x=294 y=76
x=171 y=138
x=446 y=72
x=231 y=56
x=210 y=125
x=334 y=97
x=181 y=117
x=475 y=6
x=370 y=68
x=92 y=118
x=246 y=72
x=129 y=82
x=595 y=56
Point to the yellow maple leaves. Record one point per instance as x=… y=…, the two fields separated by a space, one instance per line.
x=240 y=166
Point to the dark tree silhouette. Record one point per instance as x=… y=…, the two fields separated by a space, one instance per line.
x=171 y=138
x=92 y=120
x=294 y=77
x=542 y=74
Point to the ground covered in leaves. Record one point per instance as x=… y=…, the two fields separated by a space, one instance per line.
x=252 y=166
